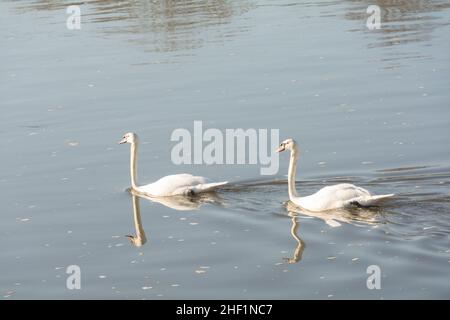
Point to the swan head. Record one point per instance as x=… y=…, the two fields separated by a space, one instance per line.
x=288 y=144
x=129 y=137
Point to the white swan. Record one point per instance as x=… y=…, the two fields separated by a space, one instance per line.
x=177 y=184
x=328 y=198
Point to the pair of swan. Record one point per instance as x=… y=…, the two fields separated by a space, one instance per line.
x=328 y=198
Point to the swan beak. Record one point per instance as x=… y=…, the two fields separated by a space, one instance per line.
x=280 y=149
x=122 y=141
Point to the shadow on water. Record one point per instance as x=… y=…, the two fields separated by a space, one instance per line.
x=402 y=22
x=161 y=26
x=171 y=26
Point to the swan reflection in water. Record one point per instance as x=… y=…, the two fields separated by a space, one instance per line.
x=298 y=252
x=140 y=238
x=184 y=203
x=180 y=203
x=358 y=217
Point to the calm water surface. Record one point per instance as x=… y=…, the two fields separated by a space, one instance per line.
x=367 y=107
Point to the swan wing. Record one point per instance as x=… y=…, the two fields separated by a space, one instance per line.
x=367 y=201
x=206 y=187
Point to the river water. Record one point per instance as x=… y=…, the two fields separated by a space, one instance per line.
x=369 y=107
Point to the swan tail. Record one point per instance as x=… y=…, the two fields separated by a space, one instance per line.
x=206 y=187
x=371 y=200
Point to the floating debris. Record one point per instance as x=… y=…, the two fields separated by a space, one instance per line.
x=331 y=258
x=71 y=143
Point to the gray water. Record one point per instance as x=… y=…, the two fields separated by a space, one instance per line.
x=367 y=107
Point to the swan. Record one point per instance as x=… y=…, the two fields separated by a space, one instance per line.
x=172 y=185
x=328 y=198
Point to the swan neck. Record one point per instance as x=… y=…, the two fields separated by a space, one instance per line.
x=292 y=174
x=133 y=165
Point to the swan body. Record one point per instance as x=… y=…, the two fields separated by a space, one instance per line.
x=172 y=185
x=178 y=184
x=331 y=197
